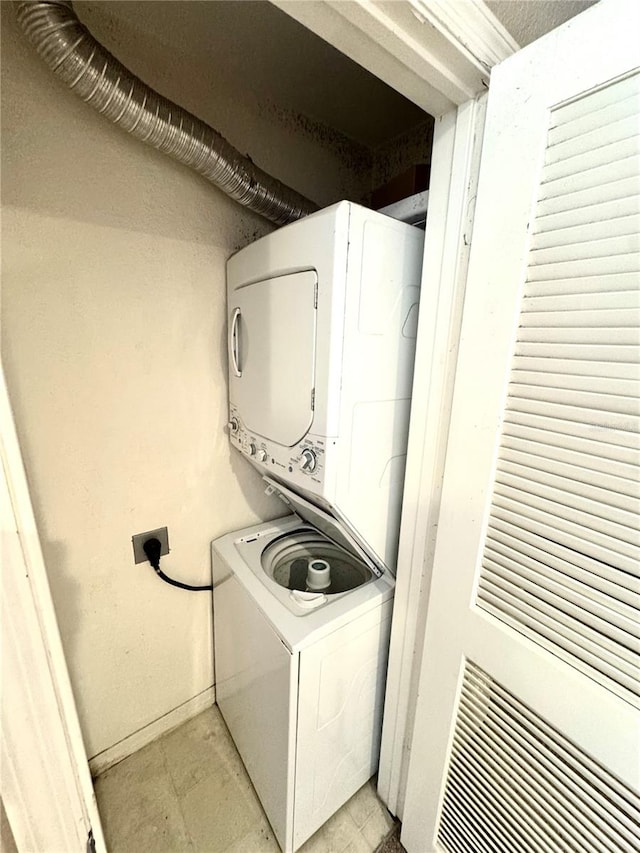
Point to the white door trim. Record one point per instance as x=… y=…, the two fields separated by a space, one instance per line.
x=46 y=785
x=457 y=143
x=436 y=53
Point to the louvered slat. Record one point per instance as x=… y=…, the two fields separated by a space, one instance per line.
x=567 y=571
x=574 y=379
x=612 y=445
x=583 y=643
x=585 y=178
x=627 y=187
x=573 y=759
x=615 y=405
x=580 y=267
x=562 y=519
x=587 y=232
x=581 y=301
x=617 y=583
x=515 y=783
x=561 y=557
x=573 y=535
x=626 y=87
x=599 y=211
x=569 y=123
x=584 y=607
x=561 y=561
x=574 y=476
x=610 y=244
x=624 y=128
x=587 y=284
x=580 y=161
x=615 y=427
x=513 y=757
x=578 y=494
x=590 y=456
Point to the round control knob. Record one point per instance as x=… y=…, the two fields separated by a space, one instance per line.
x=261 y=455
x=233 y=425
x=251 y=449
x=308 y=461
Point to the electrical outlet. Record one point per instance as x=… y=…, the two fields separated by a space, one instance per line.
x=139 y=539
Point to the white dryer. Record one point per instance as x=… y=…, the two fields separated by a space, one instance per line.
x=322 y=321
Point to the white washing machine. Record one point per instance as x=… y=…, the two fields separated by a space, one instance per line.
x=300 y=675
x=322 y=322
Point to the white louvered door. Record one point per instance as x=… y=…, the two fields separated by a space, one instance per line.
x=527 y=734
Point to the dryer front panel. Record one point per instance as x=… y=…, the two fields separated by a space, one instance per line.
x=272 y=343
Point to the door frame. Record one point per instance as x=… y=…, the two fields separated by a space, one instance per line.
x=439 y=55
x=457 y=145
x=46 y=785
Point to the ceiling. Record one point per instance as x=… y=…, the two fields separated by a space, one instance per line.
x=280 y=60
x=288 y=65
x=527 y=20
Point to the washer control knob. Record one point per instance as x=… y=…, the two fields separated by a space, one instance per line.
x=233 y=425
x=252 y=449
x=261 y=455
x=308 y=460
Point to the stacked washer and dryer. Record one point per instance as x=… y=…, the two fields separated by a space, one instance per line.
x=322 y=319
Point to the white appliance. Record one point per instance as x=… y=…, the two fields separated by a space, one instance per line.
x=301 y=696
x=322 y=323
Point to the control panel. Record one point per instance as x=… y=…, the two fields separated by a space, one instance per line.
x=303 y=464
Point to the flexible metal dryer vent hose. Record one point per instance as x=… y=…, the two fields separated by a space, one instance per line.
x=102 y=81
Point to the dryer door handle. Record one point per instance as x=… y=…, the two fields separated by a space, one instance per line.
x=234 y=342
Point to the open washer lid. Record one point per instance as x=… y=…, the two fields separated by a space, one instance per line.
x=332 y=524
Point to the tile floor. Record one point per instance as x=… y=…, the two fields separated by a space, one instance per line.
x=189 y=791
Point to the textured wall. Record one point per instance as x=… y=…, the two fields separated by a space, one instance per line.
x=113 y=346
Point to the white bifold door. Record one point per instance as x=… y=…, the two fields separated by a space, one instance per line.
x=527 y=734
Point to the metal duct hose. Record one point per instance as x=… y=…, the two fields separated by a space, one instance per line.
x=102 y=81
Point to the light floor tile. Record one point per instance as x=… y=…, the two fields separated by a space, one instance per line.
x=363 y=803
x=335 y=836
x=219 y=811
x=199 y=748
x=260 y=840
x=166 y=833
x=377 y=827
x=358 y=845
x=188 y=792
x=134 y=792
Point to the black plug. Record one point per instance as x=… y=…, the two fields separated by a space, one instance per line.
x=152 y=548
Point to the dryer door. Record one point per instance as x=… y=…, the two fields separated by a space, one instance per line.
x=272 y=342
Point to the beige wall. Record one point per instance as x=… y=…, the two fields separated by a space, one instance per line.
x=113 y=346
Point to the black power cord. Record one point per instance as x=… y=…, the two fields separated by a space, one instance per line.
x=152 y=548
